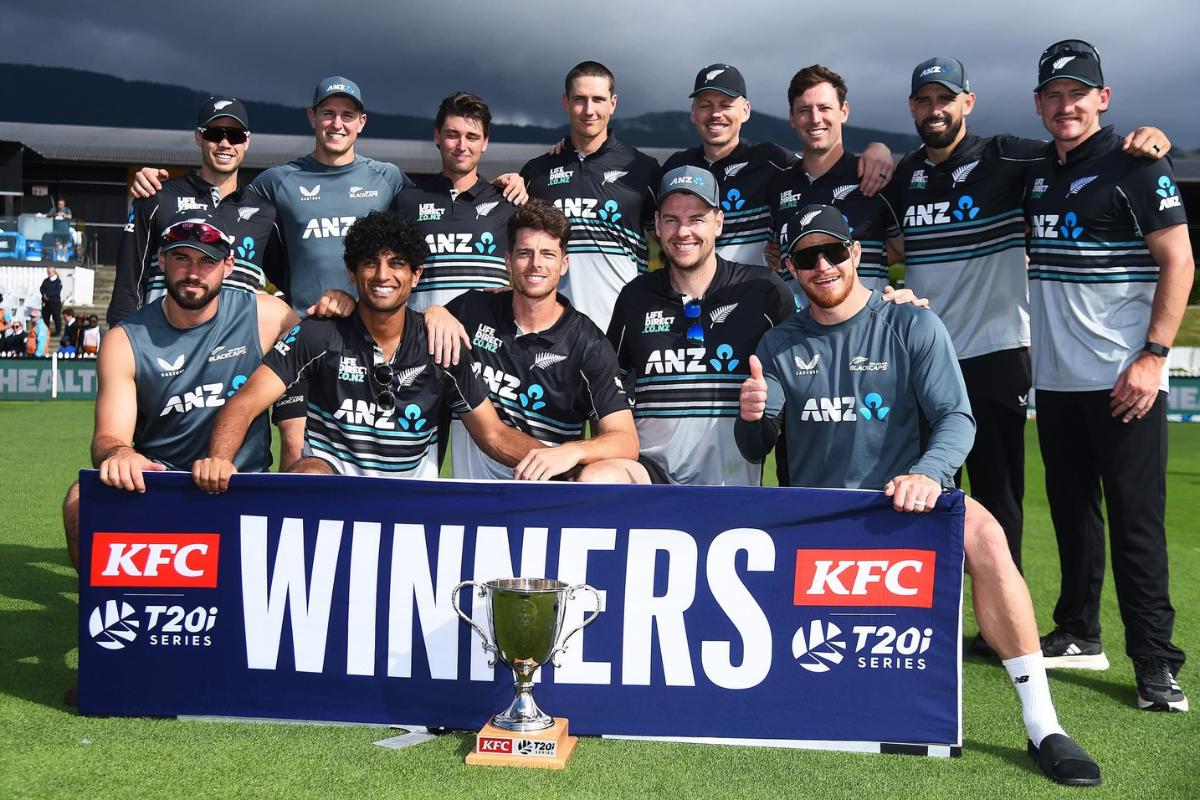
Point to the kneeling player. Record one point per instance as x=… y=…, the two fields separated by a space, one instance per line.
x=374 y=393
x=812 y=362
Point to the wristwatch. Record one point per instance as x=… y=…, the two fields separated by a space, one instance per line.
x=1156 y=349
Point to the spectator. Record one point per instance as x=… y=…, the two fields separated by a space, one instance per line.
x=52 y=297
x=89 y=337
x=62 y=232
x=13 y=340
x=39 y=335
x=70 y=337
x=59 y=211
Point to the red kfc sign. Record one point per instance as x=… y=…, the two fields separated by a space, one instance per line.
x=864 y=578
x=174 y=560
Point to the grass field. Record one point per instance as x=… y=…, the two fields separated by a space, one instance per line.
x=47 y=751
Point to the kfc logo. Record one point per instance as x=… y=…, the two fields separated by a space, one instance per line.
x=493 y=744
x=177 y=560
x=864 y=578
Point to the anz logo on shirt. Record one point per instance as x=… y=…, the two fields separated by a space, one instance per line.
x=873 y=408
x=208 y=395
x=508 y=387
x=1052 y=226
x=680 y=360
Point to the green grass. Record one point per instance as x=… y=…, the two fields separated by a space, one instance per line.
x=46 y=750
x=1189 y=329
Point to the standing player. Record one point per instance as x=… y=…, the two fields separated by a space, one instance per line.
x=1110 y=270
x=548 y=367
x=374 y=391
x=604 y=187
x=683 y=336
x=801 y=371
x=828 y=174
x=464 y=218
x=223 y=136
x=166 y=369
x=744 y=169
x=960 y=203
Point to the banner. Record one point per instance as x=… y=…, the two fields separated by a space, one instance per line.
x=782 y=615
x=33 y=378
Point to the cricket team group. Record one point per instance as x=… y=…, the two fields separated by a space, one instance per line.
x=490 y=321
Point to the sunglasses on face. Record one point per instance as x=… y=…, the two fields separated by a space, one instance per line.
x=383 y=375
x=194 y=232
x=232 y=135
x=691 y=310
x=807 y=257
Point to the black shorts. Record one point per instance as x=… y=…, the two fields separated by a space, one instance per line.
x=654 y=469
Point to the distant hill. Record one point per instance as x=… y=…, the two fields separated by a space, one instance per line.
x=76 y=97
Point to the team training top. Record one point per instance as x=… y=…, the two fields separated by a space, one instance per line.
x=185 y=375
x=608 y=197
x=546 y=384
x=466 y=234
x=316 y=206
x=686 y=392
x=872 y=220
x=964 y=238
x=250 y=220
x=850 y=397
x=346 y=428
x=743 y=177
x=1091 y=276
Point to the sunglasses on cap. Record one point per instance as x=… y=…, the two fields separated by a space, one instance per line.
x=195 y=232
x=383 y=374
x=691 y=310
x=1070 y=47
x=216 y=133
x=807 y=257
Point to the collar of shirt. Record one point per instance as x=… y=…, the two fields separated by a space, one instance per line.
x=1099 y=143
x=970 y=147
x=203 y=188
x=610 y=143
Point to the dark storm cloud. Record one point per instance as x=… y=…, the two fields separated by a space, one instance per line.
x=407 y=57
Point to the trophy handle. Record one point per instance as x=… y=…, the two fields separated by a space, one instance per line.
x=588 y=621
x=488 y=647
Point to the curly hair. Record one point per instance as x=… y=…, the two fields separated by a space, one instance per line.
x=541 y=216
x=383 y=231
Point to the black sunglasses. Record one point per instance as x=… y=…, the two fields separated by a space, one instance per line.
x=383 y=375
x=807 y=257
x=216 y=133
x=691 y=310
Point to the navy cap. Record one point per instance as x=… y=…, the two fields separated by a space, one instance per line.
x=693 y=180
x=335 y=85
x=813 y=219
x=949 y=72
x=1070 y=58
x=198 y=230
x=720 y=78
x=222 y=106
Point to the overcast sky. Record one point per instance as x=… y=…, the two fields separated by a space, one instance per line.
x=407 y=56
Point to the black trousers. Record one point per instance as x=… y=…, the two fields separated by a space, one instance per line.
x=998 y=387
x=52 y=310
x=1085 y=449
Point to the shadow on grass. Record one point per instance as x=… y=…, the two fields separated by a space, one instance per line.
x=1120 y=691
x=36 y=640
x=1013 y=755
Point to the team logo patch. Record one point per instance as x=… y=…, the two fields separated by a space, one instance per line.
x=245 y=213
x=406 y=377
x=809 y=367
x=960 y=174
x=733 y=169
x=310 y=194
x=546 y=360
x=614 y=175
x=483 y=209
x=721 y=313
x=842 y=192
x=171 y=368
x=1078 y=185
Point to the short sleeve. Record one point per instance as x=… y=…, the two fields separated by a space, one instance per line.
x=299 y=350
x=1153 y=196
x=602 y=385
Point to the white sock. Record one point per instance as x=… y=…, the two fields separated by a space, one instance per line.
x=1028 y=675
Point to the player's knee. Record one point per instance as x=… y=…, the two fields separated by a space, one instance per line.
x=616 y=470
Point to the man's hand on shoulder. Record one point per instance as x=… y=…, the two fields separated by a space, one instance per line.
x=123 y=468
x=212 y=474
x=147 y=182
x=513 y=187
x=334 y=303
x=913 y=492
x=446 y=336
x=1147 y=142
x=903 y=296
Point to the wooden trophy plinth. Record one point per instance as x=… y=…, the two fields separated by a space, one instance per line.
x=548 y=749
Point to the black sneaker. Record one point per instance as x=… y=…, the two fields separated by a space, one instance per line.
x=1065 y=762
x=980 y=648
x=1157 y=688
x=1063 y=650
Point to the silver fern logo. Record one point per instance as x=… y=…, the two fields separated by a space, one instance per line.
x=545 y=360
x=734 y=169
x=842 y=192
x=116 y=627
x=483 y=209
x=406 y=377
x=960 y=174
x=614 y=175
x=713 y=73
x=809 y=217
x=1077 y=185
x=721 y=313
x=1062 y=62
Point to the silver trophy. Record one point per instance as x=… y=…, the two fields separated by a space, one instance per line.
x=526 y=616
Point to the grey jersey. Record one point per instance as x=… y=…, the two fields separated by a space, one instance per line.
x=316 y=205
x=852 y=394
x=184 y=376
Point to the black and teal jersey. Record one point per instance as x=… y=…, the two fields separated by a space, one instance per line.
x=346 y=426
x=250 y=220
x=872 y=220
x=1091 y=276
x=851 y=397
x=964 y=238
x=316 y=205
x=744 y=177
x=466 y=233
x=685 y=388
x=608 y=197
x=184 y=376
x=546 y=384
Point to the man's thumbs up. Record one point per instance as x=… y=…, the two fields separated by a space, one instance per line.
x=752 y=401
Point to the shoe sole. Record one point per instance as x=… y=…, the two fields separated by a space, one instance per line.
x=1158 y=705
x=1099 y=662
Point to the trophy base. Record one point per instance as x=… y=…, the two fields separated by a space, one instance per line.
x=547 y=749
